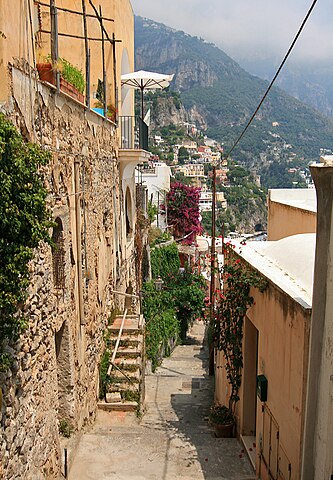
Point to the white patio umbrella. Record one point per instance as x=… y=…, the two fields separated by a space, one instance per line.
x=143 y=80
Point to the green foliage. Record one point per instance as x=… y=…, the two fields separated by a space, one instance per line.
x=161 y=322
x=24 y=222
x=229 y=316
x=103 y=369
x=187 y=293
x=152 y=211
x=169 y=312
x=72 y=74
x=229 y=100
x=164 y=260
x=65 y=428
x=276 y=175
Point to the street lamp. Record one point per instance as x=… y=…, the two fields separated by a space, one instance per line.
x=158 y=282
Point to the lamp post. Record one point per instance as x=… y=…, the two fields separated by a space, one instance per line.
x=158 y=284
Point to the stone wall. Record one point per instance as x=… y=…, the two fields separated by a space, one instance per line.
x=55 y=374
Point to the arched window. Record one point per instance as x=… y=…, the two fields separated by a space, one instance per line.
x=58 y=255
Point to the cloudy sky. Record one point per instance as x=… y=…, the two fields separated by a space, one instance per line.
x=256 y=28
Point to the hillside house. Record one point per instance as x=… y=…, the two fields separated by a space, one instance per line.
x=287 y=334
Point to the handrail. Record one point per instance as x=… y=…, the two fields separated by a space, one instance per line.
x=126 y=376
x=117 y=343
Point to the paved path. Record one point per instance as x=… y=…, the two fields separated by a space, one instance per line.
x=174 y=439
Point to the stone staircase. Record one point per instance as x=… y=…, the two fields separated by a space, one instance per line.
x=125 y=392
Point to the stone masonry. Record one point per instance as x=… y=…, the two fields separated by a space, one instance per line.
x=54 y=380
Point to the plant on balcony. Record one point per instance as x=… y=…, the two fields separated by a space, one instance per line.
x=72 y=74
x=232 y=306
x=71 y=80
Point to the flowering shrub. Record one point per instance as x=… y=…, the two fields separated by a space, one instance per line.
x=183 y=211
x=229 y=315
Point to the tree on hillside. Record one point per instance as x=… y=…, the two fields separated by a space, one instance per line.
x=182 y=155
x=183 y=211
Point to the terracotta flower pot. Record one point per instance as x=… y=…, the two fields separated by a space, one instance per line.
x=46 y=72
x=223 y=430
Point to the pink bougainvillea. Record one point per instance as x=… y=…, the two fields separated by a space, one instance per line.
x=183 y=211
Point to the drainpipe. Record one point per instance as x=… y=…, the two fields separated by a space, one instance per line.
x=78 y=240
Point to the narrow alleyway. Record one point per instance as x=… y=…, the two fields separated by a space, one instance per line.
x=174 y=439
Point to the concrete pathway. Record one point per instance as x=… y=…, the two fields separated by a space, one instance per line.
x=173 y=439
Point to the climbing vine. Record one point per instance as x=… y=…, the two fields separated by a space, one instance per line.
x=232 y=306
x=164 y=260
x=24 y=222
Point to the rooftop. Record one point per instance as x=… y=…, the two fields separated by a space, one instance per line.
x=303 y=198
x=288 y=263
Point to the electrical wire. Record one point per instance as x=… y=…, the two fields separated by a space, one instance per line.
x=273 y=81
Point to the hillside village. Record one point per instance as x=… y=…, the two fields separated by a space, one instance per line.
x=162 y=315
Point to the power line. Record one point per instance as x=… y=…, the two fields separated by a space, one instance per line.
x=273 y=81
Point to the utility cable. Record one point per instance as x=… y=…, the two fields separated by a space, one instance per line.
x=273 y=81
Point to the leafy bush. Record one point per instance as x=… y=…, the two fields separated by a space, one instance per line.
x=164 y=260
x=24 y=222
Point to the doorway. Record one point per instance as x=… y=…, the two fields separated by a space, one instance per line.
x=250 y=370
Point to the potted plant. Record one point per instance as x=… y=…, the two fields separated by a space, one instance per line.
x=222 y=419
x=71 y=78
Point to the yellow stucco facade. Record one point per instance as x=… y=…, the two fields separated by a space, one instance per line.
x=21 y=20
x=290 y=212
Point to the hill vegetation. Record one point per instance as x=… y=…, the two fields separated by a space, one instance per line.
x=225 y=96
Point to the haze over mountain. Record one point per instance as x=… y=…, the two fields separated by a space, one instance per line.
x=223 y=96
x=311 y=83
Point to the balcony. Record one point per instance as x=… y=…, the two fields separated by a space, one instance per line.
x=133 y=144
x=133 y=133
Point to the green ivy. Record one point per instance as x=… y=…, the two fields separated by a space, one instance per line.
x=164 y=260
x=229 y=317
x=24 y=222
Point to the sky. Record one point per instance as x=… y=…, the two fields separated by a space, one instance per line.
x=250 y=28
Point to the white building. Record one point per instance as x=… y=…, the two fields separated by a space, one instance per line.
x=157 y=179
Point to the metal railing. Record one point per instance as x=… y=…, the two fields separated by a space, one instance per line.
x=133 y=133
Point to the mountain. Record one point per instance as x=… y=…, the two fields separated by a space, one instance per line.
x=312 y=83
x=224 y=96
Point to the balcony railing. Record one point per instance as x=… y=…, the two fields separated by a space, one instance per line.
x=133 y=133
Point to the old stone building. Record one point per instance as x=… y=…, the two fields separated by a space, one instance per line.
x=54 y=382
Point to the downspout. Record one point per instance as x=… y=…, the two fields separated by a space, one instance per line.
x=78 y=240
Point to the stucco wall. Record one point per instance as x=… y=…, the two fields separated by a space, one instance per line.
x=15 y=24
x=283 y=336
x=286 y=220
x=56 y=368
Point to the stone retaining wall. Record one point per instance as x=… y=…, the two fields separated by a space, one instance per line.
x=54 y=380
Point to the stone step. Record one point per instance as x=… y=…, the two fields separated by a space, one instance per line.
x=123 y=387
x=127 y=330
x=129 y=352
x=118 y=406
x=134 y=376
x=127 y=340
x=130 y=323
x=127 y=362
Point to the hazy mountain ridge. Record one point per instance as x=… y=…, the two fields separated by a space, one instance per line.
x=225 y=95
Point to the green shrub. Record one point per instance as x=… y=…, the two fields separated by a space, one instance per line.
x=24 y=222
